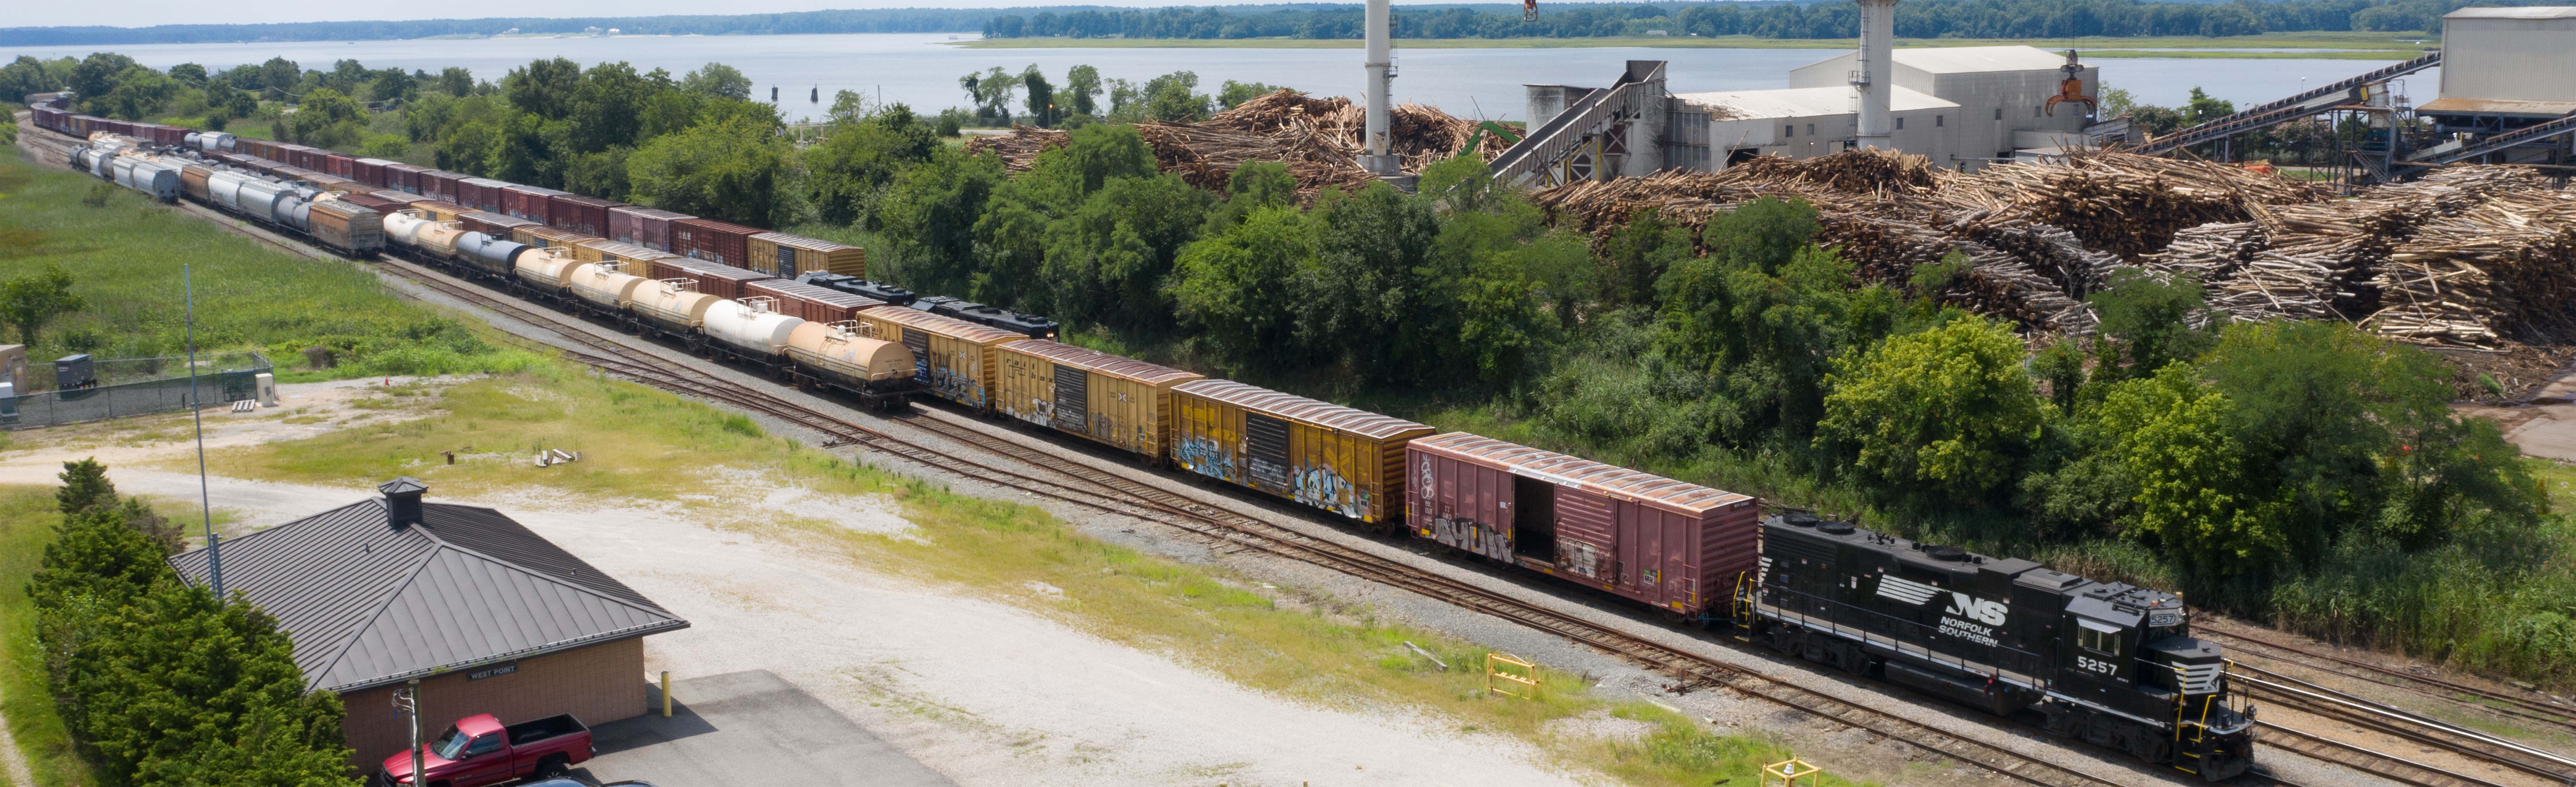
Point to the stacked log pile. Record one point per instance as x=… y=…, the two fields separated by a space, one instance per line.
x=2467 y=256
x=1319 y=140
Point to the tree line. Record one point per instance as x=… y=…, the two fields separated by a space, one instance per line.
x=890 y=20
x=163 y=682
x=1922 y=19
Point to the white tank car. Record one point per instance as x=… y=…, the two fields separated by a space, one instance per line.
x=224 y=187
x=750 y=329
x=401 y=226
x=437 y=239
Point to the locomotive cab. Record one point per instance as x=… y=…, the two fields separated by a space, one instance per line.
x=2129 y=675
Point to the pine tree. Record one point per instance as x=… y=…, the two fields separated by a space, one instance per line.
x=85 y=484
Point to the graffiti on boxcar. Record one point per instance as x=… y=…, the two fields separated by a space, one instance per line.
x=1037 y=411
x=1322 y=488
x=1205 y=457
x=1473 y=536
x=954 y=385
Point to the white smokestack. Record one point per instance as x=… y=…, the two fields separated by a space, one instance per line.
x=1379 y=66
x=1876 y=79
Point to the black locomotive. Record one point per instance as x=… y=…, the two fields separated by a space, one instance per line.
x=2110 y=663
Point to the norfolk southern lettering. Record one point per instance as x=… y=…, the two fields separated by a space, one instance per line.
x=2109 y=663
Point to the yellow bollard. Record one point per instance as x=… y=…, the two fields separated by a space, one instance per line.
x=666 y=694
x=1792 y=771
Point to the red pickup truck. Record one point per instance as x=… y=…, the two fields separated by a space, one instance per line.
x=478 y=750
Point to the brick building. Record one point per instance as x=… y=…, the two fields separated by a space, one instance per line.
x=488 y=616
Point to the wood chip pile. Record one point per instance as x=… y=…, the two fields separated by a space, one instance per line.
x=1319 y=140
x=2469 y=256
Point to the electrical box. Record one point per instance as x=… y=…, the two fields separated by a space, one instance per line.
x=75 y=371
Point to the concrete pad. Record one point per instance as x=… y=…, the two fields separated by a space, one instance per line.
x=749 y=729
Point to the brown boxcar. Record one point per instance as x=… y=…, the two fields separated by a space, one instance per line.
x=534 y=203
x=482 y=194
x=787 y=256
x=192 y=179
x=805 y=301
x=403 y=177
x=585 y=215
x=1340 y=459
x=407 y=199
x=378 y=204
x=339 y=164
x=335 y=183
x=347 y=226
x=1672 y=544
x=713 y=241
x=642 y=226
x=491 y=224
x=722 y=281
x=953 y=358
x=1123 y=402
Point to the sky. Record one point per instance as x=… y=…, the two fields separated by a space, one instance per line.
x=144 y=13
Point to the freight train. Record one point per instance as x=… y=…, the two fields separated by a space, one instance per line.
x=2106 y=662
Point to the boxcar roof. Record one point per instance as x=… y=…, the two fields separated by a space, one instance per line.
x=720 y=226
x=626 y=250
x=811 y=293
x=802 y=242
x=1104 y=363
x=498 y=219
x=1619 y=482
x=947 y=326
x=1301 y=409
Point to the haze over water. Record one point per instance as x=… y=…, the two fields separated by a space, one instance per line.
x=922 y=69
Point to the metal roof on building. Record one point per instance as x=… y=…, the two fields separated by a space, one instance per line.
x=1617 y=482
x=369 y=604
x=1977 y=59
x=2521 y=12
x=1805 y=101
x=1301 y=409
x=1101 y=362
x=2496 y=106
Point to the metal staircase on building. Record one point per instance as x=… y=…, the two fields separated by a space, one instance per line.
x=1579 y=130
x=2341 y=93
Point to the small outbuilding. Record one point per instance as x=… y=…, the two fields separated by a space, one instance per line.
x=488 y=616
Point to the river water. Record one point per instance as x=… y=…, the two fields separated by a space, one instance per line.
x=922 y=69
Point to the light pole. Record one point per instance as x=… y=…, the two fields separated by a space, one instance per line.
x=407 y=702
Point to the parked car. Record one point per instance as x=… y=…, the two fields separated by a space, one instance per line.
x=478 y=750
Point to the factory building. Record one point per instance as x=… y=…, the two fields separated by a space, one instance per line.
x=2505 y=70
x=1959 y=106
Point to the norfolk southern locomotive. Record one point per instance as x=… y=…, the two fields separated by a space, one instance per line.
x=2109 y=663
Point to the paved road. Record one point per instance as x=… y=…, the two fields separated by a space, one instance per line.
x=750 y=729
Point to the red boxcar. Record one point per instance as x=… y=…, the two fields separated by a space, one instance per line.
x=722 y=281
x=798 y=299
x=642 y=226
x=480 y=194
x=441 y=184
x=533 y=203
x=712 y=240
x=405 y=198
x=378 y=204
x=340 y=164
x=577 y=213
x=403 y=177
x=370 y=171
x=293 y=155
x=1672 y=544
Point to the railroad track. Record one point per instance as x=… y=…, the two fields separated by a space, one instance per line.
x=2517 y=709
x=1052 y=477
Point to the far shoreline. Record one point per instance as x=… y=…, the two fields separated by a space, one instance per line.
x=2304 y=46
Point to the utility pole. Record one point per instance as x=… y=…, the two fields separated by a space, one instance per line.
x=407 y=702
x=197 y=409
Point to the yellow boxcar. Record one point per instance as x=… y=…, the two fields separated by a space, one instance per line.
x=441 y=212
x=1340 y=459
x=952 y=358
x=634 y=258
x=789 y=256
x=1123 y=402
x=544 y=237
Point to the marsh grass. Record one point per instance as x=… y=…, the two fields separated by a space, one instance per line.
x=125 y=256
x=642 y=444
x=27 y=519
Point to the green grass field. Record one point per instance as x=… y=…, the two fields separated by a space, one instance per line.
x=125 y=254
x=2321 y=45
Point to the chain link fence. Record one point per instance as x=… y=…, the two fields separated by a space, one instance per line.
x=138 y=386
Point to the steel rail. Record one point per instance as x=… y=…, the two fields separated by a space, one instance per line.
x=2439 y=689
x=2334 y=704
x=2380 y=764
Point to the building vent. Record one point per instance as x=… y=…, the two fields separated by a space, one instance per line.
x=402 y=501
